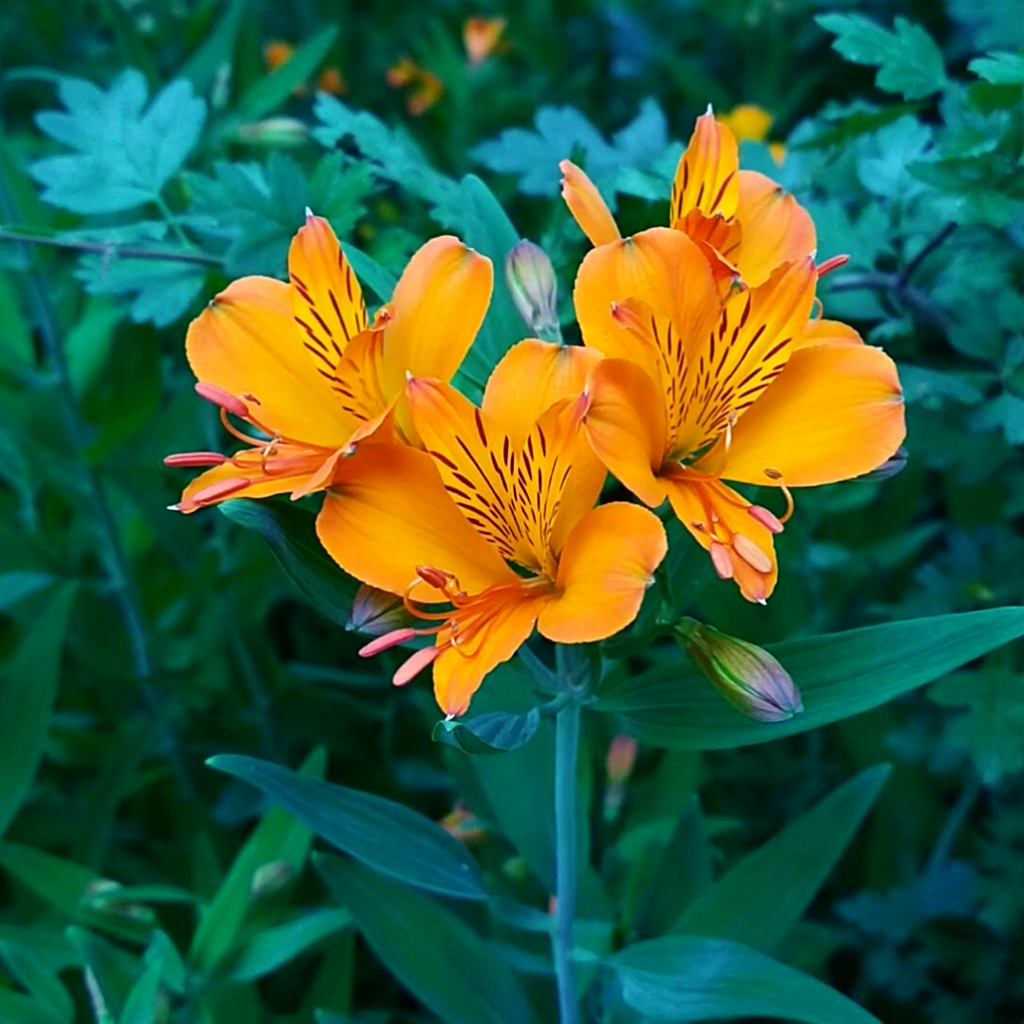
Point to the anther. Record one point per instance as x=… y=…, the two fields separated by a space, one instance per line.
x=224 y=399
x=436 y=578
x=720 y=560
x=386 y=642
x=220 y=490
x=766 y=518
x=831 y=264
x=774 y=474
x=414 y=665
x=751 y=553
x=195 y=459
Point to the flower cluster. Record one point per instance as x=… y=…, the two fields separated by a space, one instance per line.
x=703 y=361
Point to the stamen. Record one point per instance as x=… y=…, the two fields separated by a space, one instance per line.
x=436 y=578
x=832 y=264
x=235 y=432
x=195 y=459
x=774 y=474
x=386 y=642
x=720 y=560
x=414 y=665
x=751 y=553
x=224 y=399
x=220 y=490
x=382 y=317
x=766 y=518
x=418 y=613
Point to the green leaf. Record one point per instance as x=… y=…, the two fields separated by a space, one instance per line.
x=26 y=702
x=839 y=675
x=271 y=91
x=387 y=836
x=39 y=979
x=274 y=947
x=991 y=728
x=141 y=1006
x=1004 y=412
x=691 y=979
x=217 y=49
x=448 y=967
x=908 y=59
x=18 y=1008
x=124 y=152
x=16 y=586
x=111 y=973
x=764 y=895
x=494 y=733
x=999 y=68
x=277 y=840
x=291 y=533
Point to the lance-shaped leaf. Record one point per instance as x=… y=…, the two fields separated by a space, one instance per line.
x=839 y=675
x=384 y=835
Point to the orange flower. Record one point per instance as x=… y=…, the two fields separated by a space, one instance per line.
x=748 y=121
x=743 y=221
x=302 y=366
x=427 y=87
x=510 y=483
x=277 y=52
x=696 y=389
x=482 y=37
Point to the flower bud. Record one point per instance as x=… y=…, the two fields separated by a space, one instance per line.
x=748 y=677
x=376 y=612
x=531 y=281
x=893 y=465
x=273 y=132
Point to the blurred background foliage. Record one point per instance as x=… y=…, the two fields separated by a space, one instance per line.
x=153 y=150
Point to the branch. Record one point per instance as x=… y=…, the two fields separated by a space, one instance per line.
x=926 y=250
x=109 y=249
x=910 y=296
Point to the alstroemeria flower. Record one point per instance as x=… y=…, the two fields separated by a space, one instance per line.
x=495 y=520
x=301 y=366
x=745 y=223
x=696 y=389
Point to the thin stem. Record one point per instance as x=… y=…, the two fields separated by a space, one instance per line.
x=916 y=300
x=954 y=820
x=926 y=250
x=567 y=735
x=169 y=215
x=108 y=248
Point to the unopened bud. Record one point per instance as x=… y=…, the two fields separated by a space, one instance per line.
x=270 y=878
x=464 y=825
x=893 y=465
x=272 y=132
x=748 y=677
x=531 y=281
x=620 y=758
x=376 y=612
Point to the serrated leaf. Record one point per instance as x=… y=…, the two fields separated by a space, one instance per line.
x=1006 y=413
x=125 y=152
x=448 y=967
x=760 y=899
x=999 y=68
x=839 y=675
x=291 y=533
x=385 y=835
x=162 y=291
x=907 y=58
x=494 y=733
x=692 y=979
x=26 y=702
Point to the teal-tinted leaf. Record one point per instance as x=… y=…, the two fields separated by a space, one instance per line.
x=691 y=979
x=483 y=225
x=16 y=586
x=999 y=68
x=26 y=701
x=448 y=967
x=112 y=973
x=908 y=59
x=279 y=840
x=291 y=534
x=161 y=291
x=271 y=91
x=217 y=49
x=125 y=152
x=371 y=274
x=1006 y=413
x=494 y=733
x=763 y=896
x=930 y=387
x=839 y=675
x=274 y=947
x=385 y=835
x=39 y=979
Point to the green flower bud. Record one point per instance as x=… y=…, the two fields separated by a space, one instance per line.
x=531 y=281
x=748 y=677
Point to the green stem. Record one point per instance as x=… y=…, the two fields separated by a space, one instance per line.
x=567 y=736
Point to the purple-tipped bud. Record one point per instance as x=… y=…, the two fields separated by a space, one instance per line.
x=748 y=677
x=893 y=465
x=376 y=612
x=534 y=290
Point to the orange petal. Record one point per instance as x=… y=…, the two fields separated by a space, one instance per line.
x=660 y=267
x=626 y=427
x=835 y=412
x=530 y=378
x=247 y=343
x=287 y=470
x=586 y=205
x=437 y=307
x=459 y=670
x=818 y=331
x=605 y=570
x=388 y=512
x=741 y=548
x=327 y=301
x=776 y=228
x=706 y=177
